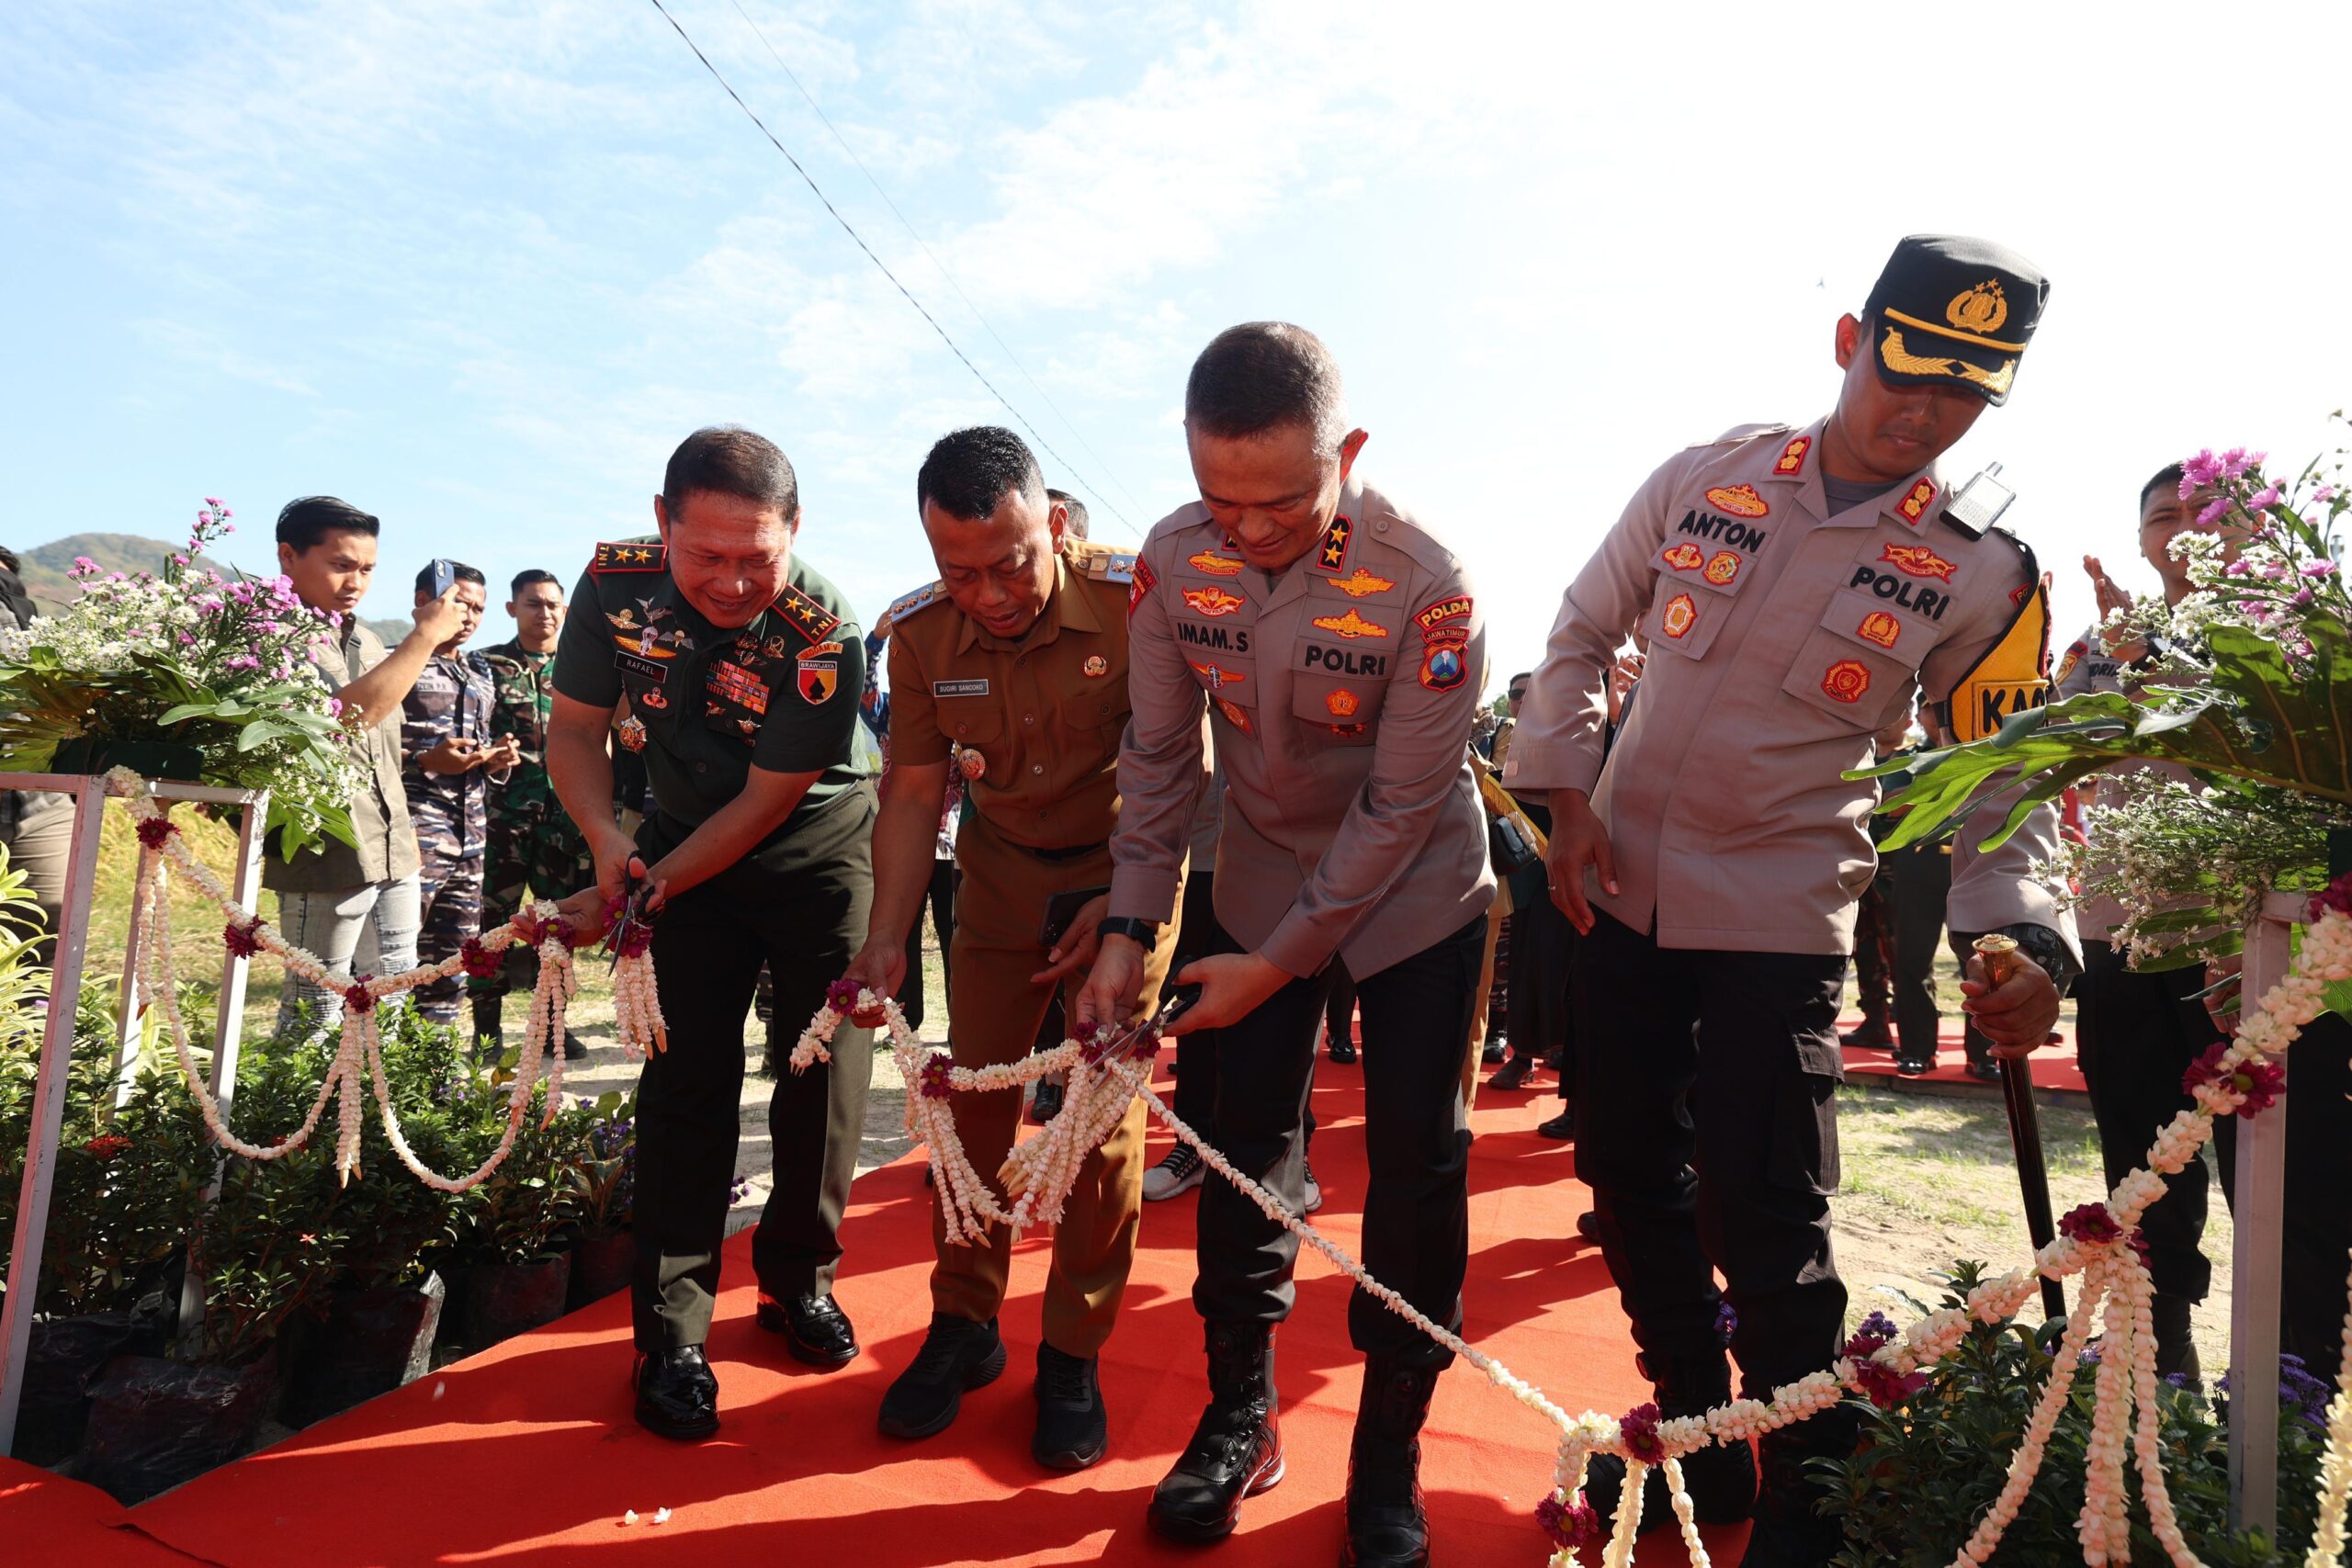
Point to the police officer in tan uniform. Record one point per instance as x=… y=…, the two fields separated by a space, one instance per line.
x=1012 y=667
x=1339 y=645
x=1795 y=588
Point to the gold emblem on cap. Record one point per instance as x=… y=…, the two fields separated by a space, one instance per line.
x=1981 y=309
x=1904 y=362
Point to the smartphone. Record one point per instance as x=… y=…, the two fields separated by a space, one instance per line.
x=1061 y=909
x=445 y=577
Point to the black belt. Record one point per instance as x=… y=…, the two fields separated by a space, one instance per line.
x=1069 y=852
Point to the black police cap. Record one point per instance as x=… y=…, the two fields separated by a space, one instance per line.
x=1948 y=309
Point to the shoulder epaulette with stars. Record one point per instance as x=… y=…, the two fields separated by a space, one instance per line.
x=922 y=598
x=808 y=618
x=626 y=556
x=1333 y=551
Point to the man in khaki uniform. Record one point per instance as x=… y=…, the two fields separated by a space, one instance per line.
x=1012 y=669
x=1339 y=643
x=1796 y=588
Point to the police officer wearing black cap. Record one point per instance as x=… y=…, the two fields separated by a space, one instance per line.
x=1797 y=588
x=742 y=672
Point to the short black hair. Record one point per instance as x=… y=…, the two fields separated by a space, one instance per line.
x=1522 y=675
x=970 y=471
x=526 y=579
x=307 y=519
x=1261 y=376
x=1073 y=512
x=458 y=569
x=2167 y=478
x=734 y=461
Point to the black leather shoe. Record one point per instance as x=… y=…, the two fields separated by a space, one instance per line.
x=1237 y=1449
x=1913 y=1067
x=676 y=1395
x=1387 y=1527
x=574 y=1048
x=1872 y=1035
x=958 y=1355
x=1984 y=1070
x=1789 y=1533
x=1513 y=1074
x=1722 y=1480
x=1560 y=1129
x=1045 y=1104
x=1343 y=1052
x=1072 y=1428
x=814 y=1328
x=1492 y=1053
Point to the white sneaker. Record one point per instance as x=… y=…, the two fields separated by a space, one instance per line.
x=1179 y=1171
x=1314 y=1194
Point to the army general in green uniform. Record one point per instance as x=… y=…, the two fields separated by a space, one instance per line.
x=744 y=671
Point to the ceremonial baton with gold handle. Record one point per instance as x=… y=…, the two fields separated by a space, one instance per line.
x=2000 y=956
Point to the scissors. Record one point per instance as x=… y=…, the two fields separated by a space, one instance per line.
x=634 y=891
x=1179 y=1002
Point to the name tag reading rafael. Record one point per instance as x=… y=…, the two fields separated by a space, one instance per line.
x=960 y=688
x=657 y=673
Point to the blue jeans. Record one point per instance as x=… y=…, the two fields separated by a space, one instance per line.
x=369 y=929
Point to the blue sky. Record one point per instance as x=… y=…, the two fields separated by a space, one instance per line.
x=477 y=265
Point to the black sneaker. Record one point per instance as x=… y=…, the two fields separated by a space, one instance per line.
x=958 y=1355
x=1072 y=1429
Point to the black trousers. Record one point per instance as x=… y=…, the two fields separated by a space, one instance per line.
x=1196 y=937
x=1922 y=887
x=1416 y=1017
x=1708 y=1131
x=798 y=905
x=2136 y=1035
x=1874 y=949
x=942 y=894
x=1542 y=956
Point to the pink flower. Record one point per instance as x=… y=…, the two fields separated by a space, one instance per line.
x=2319 y=568
x=2091 y=1224
x=2199 y=472
x=2237 y=460
x=2324 y=493
x=2267 y=496
x=210 y=501
x=2214 y=511
x=82 y=567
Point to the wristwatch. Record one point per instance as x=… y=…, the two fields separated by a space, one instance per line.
x=1129 y=926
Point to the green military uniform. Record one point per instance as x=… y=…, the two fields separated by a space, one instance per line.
x=780 y=693
x=533 y=847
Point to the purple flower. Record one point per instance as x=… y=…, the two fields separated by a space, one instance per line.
x=1726 y=1322
x=82 y=567
x=2319 y=568
x=2237 y=460
x=2302 y=595
x=2267 y=496
x=2214 y=511
x=2199 y=472
x=1638 y=1427
x=1572 y=1527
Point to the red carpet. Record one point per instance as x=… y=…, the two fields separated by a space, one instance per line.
x=2054 y=1067
x=45 y=1519
x=526 y=1454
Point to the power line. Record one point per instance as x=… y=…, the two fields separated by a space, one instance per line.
x=848 y=229
x=925 y=245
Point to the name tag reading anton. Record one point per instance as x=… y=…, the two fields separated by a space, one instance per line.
x=979 y=688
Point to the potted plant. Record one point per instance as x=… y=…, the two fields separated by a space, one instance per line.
x=374 y=1328
x=1931 y=1461
x=514 y=1272
x=183 y=674
x=604 y=1184
x=261 y=1252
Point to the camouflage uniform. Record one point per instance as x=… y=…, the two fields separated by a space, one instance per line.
x=533 y=845
x=451 y=815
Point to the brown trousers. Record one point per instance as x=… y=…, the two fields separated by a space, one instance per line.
x=993 y=1017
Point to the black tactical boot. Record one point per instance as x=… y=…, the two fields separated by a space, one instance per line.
x=1387 y=1527
x=1722 y=1479
x=1789 y=1532
x=1237 y=1450
x=2175 y=1350
x=487 y=1010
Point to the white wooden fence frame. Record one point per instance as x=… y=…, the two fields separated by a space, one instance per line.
x=57 y=1039
x=2259 y=1214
